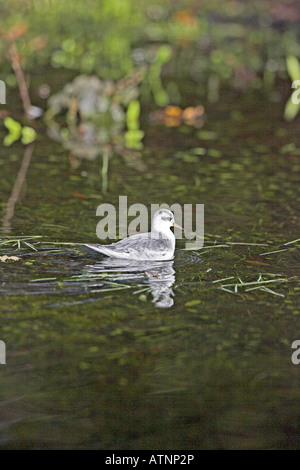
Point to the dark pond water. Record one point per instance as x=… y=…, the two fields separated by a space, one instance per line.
x=179 y=355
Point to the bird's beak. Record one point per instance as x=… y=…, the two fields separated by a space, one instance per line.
x=177 y=226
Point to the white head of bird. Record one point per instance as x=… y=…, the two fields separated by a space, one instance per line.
x=162 y=221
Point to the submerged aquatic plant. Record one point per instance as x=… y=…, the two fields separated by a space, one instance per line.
x=261 y=284
x=20 y=241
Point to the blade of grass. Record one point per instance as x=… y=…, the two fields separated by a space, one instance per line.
x=272 y=252
x=256 y=282
x=293 y=241
x=224 y=279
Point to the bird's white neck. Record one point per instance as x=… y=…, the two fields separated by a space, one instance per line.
x=162 y=231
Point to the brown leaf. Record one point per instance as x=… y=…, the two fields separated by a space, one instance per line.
x=185 y=17
x=173 y=111
x=257 y=262
x=173 y=116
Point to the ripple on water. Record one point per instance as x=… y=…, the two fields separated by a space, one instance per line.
x=186 y=258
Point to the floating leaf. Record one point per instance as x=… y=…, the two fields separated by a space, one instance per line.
x=28 y=135
x=14 y=131
x=199 y=151
x=191 y=303
x=174 y=116
x=207 y=135
x=214 y=153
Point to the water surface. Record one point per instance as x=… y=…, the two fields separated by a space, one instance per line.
x=175 y=358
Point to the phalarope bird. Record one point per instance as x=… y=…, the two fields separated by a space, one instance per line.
x=159 y=244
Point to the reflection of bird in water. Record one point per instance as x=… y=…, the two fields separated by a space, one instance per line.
x=161 y=278
x=159 y=275
x=159 y=244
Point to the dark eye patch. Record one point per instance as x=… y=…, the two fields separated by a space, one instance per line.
x=167 y=218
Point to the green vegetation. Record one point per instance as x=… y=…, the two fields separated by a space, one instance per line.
x=16 y=131
x=240 y=44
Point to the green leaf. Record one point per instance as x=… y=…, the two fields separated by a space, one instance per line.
x=14 y=127
x=133 y=114
x=9 y=140
x=291 y=110
x=164 y=54
x=28 y=135
x=14 y=131
x=133 y=139
x=293 y=67
x=161 y=97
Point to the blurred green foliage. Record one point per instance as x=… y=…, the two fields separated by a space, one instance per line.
x=292 y=106
x=134 y=134
x=238 y=43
